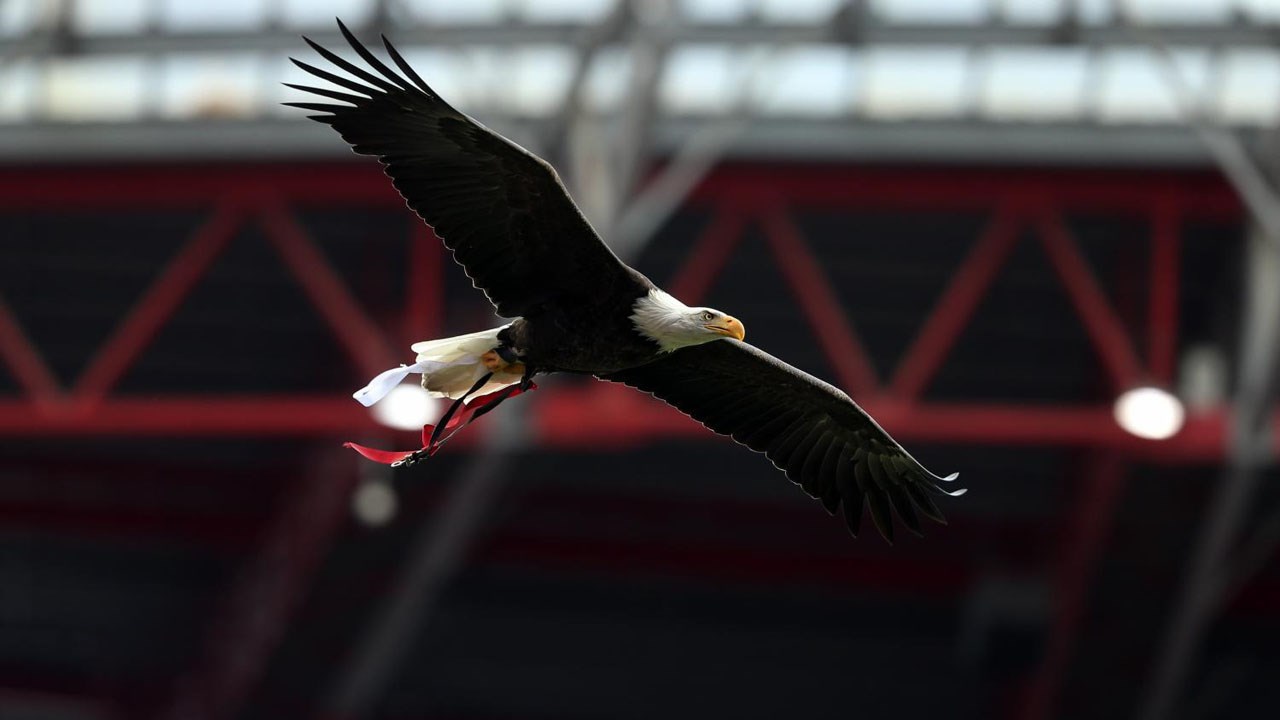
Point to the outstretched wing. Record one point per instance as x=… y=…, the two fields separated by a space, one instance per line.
x=822 y=440
x=502 y=210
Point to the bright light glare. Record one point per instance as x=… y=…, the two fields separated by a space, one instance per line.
x=374 y=503
x=406 y=407
x=1150 y=412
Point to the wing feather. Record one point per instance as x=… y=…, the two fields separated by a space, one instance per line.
x=501 y=210
x=812 y=431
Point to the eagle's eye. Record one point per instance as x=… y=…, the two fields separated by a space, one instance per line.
x=708 y=316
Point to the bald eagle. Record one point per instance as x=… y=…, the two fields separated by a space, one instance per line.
x=576 y=308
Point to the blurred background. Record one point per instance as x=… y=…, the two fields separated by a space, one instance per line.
x=1038 y=239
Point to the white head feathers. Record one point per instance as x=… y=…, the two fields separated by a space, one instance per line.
x=673 y=325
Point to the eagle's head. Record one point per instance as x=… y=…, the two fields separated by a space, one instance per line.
x=673 y=325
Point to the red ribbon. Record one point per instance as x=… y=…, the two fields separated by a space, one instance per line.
x=462 y=417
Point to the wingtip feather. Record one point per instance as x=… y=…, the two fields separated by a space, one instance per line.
x=304 y=65
x=851 y=505
x=347 y=34
x=905 y=510
x=880 y=514
x=408 y=70
x=347 y=66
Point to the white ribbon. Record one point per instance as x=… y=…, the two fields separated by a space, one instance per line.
x=382 y=384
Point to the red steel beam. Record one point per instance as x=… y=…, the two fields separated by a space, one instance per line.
x=359 y=335
x=191 y=415
x=24 y=360
x=567 y=417
x=956 y=306
x=1162 y=319
x=747 y=185
x=831 y=327
x=591 y=417
x=707 y=258
x=147 y=187
x=157 y=305
x=1198 y=194
x=424 y=295
x=1101 y=322
x=1082 y=545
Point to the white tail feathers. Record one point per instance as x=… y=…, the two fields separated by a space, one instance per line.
x=449 y=367
x=460 y=364
x=450 y=349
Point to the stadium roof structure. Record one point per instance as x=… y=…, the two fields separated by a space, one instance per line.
x=970 y=79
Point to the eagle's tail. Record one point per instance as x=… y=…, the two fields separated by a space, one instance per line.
x=458 y=363
x=450 y=367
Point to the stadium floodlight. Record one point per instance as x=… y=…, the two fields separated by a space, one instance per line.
x=1150 y=412
x=374 y=503
x=406 y=407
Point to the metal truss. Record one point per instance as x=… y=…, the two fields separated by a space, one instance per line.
x=264 y=195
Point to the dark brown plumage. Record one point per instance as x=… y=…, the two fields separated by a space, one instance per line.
x=502 y=210
x=812 y=431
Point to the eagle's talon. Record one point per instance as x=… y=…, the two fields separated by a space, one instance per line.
x=492 y=361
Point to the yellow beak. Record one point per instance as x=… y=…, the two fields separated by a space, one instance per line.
x=727 y=326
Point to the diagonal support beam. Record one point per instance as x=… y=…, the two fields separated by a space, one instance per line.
x=650 y=45
x=587 y=44
x=707 y=258
x=956 y=306
x=1112 y=342
x=355 y=330
x=823 y=309
x=24 y=360
x=157 y=305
